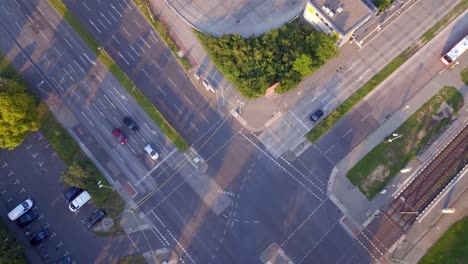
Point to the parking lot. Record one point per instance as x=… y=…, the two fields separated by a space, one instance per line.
x=32 y=171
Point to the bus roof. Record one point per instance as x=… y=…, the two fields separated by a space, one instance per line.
x=459 y=49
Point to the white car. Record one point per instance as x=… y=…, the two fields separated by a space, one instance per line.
x=20 y=209
x=151 y=152
x=79 y=201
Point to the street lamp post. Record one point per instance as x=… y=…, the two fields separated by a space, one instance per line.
x=395 y=137
x=100 y=185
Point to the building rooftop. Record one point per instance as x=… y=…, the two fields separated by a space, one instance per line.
x=343 y=13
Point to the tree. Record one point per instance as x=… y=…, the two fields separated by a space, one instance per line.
x=18 y=114
x=10 y=250
x=79 y=174
x=382 y=4
x=303 y=65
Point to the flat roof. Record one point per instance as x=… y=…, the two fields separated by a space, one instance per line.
x=352 y=11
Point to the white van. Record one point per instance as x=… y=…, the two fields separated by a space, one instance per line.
x=20 y=209
x=79 y=201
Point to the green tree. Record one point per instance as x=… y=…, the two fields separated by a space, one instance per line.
x=382 y=4
x=18 y=114
x=303 y=65
x=10 y=250
x=79 y=174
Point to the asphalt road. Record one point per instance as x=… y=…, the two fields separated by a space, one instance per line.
x=327 y=90
x=32 y=170
x=247 y=199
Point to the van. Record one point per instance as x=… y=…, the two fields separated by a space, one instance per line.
x=20 y=210
x=79 y=201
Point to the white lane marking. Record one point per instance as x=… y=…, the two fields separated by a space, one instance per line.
x=116 y=40
x=122 y=105
x=366 y=116
x=145 y=72
x=88 y=119
x=318 y=242
x=68 y=74
x=58 y=84
x=132 y=48
x=98 y=77
x=349 y=131
x=42 y=33
x=121 y=56
x=110 y=102
x=78 y=65
x=303 y=222
x=87 y=86
x=86 y=56
x=299 y=120
x=84 y=4
x=325 y=98
x=162 y=91
x=113 y=17
x=170 y=80
x=146 y=43
x=92 y=23
x=360 y=77
x=178 y=109
x=157 y=66
x=333 y=100
x=102 y=103
x=115 y=9
x=52 y=25
x=103 y=16
x=102 y=24
x=155 y=39
x=126 y=31
x=130 y=55
x=97 y=109
x=186 y=98
x=204 y=118
x=74 y=92
x=6 y=11
x=194 y=127
x=68 y=42
x=330 y=148
x=136 y=23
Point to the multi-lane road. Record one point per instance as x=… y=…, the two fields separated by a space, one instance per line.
x=245 y=201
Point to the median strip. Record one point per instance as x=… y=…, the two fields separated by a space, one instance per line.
x=123 y=79
x=321 y=128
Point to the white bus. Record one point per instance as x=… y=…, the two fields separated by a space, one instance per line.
x=455 y=52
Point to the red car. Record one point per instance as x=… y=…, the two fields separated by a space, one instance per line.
x=119 y=136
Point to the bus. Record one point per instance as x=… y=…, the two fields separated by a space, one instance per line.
x=455 y=52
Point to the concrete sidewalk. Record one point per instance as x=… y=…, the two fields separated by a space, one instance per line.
x=347 y=197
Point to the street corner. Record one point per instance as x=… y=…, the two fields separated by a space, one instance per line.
x=163 y=255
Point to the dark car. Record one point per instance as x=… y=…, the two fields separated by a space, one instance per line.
x=95 y=218
x=27 y=218
x=71 y=194
x=38 y=238
x=131 y=124
x=119 y=136
x=65 y=260
x=316 y=116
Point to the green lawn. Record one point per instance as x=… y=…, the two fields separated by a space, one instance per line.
x=136 y=259
x=382 y=163
x=131 y=88
x=321 y=128
x=464 y=75
x=452 y=247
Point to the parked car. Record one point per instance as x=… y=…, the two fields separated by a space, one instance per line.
x=95 y=219
x=40 y=237
x=151 y=152
x=79 y=201
x=27 y=218
x=65 y=260
x=71 y=194
x=119 y=136
x=316 y=116
x=20 y=210
x=131 y=124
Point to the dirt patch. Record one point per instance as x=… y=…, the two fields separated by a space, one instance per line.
x=376 y=176
x=444 y=111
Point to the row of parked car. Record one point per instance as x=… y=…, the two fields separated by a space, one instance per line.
x=133 y=126
x=24 y=214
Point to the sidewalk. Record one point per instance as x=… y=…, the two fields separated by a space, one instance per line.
x=347 y=197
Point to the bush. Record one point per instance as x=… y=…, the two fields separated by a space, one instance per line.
x=10 y=249
x=284 y=55
x=382 y=4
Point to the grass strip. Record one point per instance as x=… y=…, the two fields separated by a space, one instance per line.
x=451 y=247
x=123 y=79
x=383 y=162
x=163 y=31
x=321 y=128
x=464 y=75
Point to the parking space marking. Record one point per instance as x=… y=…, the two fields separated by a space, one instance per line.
x=330 y=148
x=349 y=131
x=366 y=116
